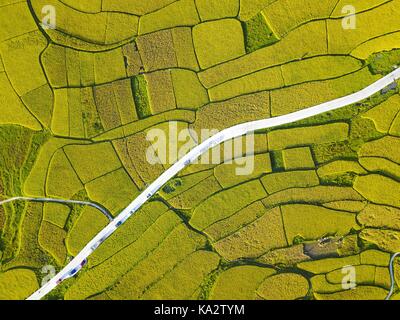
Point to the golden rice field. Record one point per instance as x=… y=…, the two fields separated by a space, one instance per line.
x=77 y=105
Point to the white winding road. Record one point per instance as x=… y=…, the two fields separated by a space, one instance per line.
x=61 y=201
x=79 y=261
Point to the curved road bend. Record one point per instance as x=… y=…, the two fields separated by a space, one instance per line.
x=392 y=280
x=79 y=261
x=51 y=200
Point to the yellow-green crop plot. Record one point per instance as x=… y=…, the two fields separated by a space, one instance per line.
x=217 y=9
x=320 y=285
x=383 y=43
x=52 y=240
x=346 y=205
x=374 y=187
x=285 y=15
x=235 y=111
x=181 y=184
x=181 y=243
x=319 y=68
x=214 y=208
x=275 y=182
x=161 y=92
x=284 y=286
x=17 y=284
x=62 y=180
x=340 y=167
x=249 y=8
x=137 y=146
x=386 y=148
x=39 y=101
x=369 y=26
x=184 y=49
x=384 y=114
x=82 y=158
x=136 y=7
x=379 y=217
x=218 y=41
x=157 y=50
x=226 y=174
x=89 y=223
x=312 y=93
x=375 y=257
x=13 y=110
x=317 y=194
x=195 y=195
x=35 y=182
x=375 y=164
x=21 y=54
x=386 y=240
x=184 y=279
x=178 y=13
x=359 y=293
x=298 y=158
x=253 y=240
x=149 y=215
x=312 y=36
x=286 y=138
x=16 y=12
x=189 y=92
x=287 y=257
x=365 y=275
x=114 y=190
x=313 y=222
x=115 y=70
x=100 y=28
x=329 y=264
x=240 y=283
x=56 y=213
x=259 y=81
x=235 y=222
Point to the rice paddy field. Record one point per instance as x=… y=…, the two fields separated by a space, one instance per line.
x=78 y=101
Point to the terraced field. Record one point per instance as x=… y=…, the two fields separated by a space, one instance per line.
x=79 y=100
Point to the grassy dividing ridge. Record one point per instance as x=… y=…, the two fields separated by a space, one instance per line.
x=140 y=94
x=257 y=33
x=384 y=62
x=30 y=254
x=15 y=142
